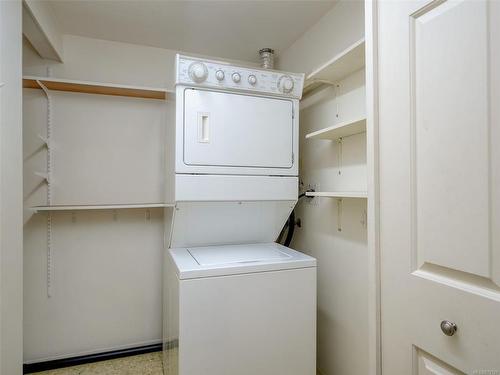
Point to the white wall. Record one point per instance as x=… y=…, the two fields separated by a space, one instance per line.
x=106 y=282
x=106 y=266
x=342 y=256
x=105 y=61
x=105 y=269
x=11 y=254
x=99 y=60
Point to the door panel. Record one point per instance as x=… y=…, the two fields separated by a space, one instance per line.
x=222 y=129
x=451 y=135
x=430 y=365
x=439 y=136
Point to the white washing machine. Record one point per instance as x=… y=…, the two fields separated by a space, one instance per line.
x=240 y=310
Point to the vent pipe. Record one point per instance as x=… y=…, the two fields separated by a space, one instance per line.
x=266 y=58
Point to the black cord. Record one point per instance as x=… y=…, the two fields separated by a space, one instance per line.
x=291 y=228
x=291 y=222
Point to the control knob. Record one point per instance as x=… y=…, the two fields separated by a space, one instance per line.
x=252 y=79
x=219 y=74
x=198 y=72
x=285 y=84
x=236 y=77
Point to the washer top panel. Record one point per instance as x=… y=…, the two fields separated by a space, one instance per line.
x=192 y=71
x=209 y=261
x=222 y=255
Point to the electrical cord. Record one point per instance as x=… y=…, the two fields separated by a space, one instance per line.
x=290 y=223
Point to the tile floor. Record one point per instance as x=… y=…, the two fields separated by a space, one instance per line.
x=144 y=364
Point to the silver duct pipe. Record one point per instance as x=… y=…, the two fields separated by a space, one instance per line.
x=267 y=58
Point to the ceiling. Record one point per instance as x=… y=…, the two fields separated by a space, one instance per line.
x=231 y=29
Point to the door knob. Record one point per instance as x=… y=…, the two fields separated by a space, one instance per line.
x=448 y=328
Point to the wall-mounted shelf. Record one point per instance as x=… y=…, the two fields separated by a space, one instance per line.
x=343 y=129
x=340 y=66
x=95 y=88
x=99 y=207
x=338 y=194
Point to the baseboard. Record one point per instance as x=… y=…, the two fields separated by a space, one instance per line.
x=73 y=361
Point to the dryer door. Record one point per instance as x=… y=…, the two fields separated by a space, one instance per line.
x=236 y=130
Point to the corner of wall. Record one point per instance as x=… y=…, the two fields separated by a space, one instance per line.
x=340 y=27
x=41 y=28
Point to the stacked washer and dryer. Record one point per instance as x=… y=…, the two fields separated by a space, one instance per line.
x=236 y=302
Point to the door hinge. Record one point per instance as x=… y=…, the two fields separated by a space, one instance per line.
x=293 y=157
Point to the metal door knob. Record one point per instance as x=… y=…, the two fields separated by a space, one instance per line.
x=448 y=328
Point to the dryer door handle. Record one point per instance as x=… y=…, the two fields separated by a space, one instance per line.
x=203 y=127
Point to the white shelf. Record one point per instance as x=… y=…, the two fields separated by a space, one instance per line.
x=344 y=129
x=99 y=207
x=100 y=88
x=340 y=66
x=338 y=194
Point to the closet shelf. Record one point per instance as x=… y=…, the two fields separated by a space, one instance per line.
x=343 y=129
x=95 y=87
x=340 y=66
x=99 y=207
x=338 y=194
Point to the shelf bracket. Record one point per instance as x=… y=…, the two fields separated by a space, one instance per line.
x=43 y=175
x=44 y=140
x=340 y=142
x=322 y=81
x=339 y=214
x=364 y=219
x=337 y=105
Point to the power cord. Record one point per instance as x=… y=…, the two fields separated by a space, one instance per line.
x=291 y=223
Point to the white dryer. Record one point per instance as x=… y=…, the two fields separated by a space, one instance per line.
x=240 y=310
x=236 y=120
x=236 y=152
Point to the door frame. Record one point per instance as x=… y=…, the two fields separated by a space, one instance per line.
x=11 y=189
x=373 y=209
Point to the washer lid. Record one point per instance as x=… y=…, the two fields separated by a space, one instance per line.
x=221 y=255
x=196 y=262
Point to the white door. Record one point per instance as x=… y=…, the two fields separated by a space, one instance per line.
x=235 y=130
x=439 y=76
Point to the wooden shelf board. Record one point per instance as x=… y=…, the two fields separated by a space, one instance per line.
x=338 y=194
x=99 y=207
x=340 y=66
x=95 y=88
x=344 y=129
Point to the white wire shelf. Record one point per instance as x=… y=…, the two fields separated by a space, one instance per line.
x=100 y=88
x=340 y=66
x=338 y=194
x=343 y=129
x=99 y=207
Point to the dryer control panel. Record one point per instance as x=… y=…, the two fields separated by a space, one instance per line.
x=222 y=75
